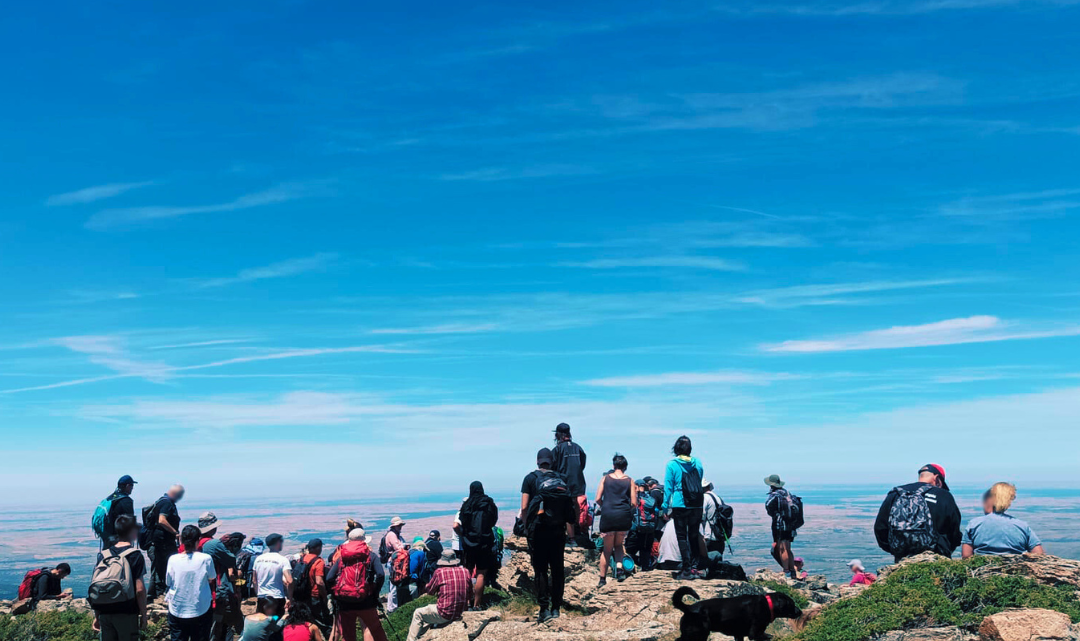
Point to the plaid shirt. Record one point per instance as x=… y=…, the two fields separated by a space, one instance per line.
x=453 y=585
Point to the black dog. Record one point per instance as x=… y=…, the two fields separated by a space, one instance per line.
x=739 y=616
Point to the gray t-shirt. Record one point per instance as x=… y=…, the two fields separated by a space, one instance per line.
x=1000 y=534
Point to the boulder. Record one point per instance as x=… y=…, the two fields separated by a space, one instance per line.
x=924 y=557
x=470 y=627
x=1046 y=569
x=1026 y=625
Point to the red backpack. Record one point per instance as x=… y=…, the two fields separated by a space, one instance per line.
x=399 y=567
x=354 y=581
x=26 y=588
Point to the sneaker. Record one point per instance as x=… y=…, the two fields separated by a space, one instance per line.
x=685 y=575
x=603 y=582
x=697 y=574
x=554 y=614
x=544 y=616
x=620 y=576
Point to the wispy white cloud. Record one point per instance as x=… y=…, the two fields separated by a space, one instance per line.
x=1023 y=205
x=132 y=215
x=281 y=269
x=93 y=194
x=450 y=328
x=142 y=370
x=882 y=7
x=689 y=379
x=110 y=352
x=495 y=174
x=834 y=293
x=955 y=331
x=687 y=262
x=212 y=343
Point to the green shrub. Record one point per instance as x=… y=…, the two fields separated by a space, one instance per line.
x=784 y=588
x=63 y=626
x=938 y=593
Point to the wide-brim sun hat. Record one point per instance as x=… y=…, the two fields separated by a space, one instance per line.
x=208 y=522
x=448 y=559
x=396 y=521
x=773 y=481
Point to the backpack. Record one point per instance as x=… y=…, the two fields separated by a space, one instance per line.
x=911 y=527
x=302 y=581
x=647 y=512
x=399 y=567
x=384 y=550
x=30 y=579
x=150 y=515
x=723 y=519
x=499 y=545
x=355 y=579
x=790 y=512
x=552 y=502
x=692 y=491
x=112 y=581
x=417 y=564
x=101 y=516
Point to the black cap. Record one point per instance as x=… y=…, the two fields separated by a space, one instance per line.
x=434 y=534
x=543 y=456
x=648 y=479
x=125 y=480
x=314 y=543
x=273 y=539
x=562 y=428
x=937 y=471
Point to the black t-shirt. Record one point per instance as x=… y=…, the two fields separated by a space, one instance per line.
x=138 y=571
x=121 y=504
x=531 y=483
x=166 y=508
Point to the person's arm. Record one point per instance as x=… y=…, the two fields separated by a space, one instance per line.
x=953 y=533
x=600 y=490
x=881 y=524
x=633 y=494
x=669 y=485
x=164 y=522
x=967 y=551
x=316 y=633
x=286 y=577
x=140 y=598
x=41 y=588
x=320 y=571
x=1038 y=550
x=331 y=574
x=583 y=457
x=1034 y=544
x=524 y=505
x=434 y=584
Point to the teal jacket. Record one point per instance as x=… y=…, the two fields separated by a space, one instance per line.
x=673 y=480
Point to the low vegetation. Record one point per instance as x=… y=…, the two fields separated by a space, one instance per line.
x=61 y=626
x=935 y=594
x=784 y=588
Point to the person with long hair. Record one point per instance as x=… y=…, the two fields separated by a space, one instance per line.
x=617 y=496
x=686 y=510
x=301 y=625
x=189 y=577
x=997 y=532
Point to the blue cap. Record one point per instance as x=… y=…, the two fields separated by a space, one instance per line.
x=126 y=480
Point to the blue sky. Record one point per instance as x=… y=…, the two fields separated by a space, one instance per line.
x=371 y=249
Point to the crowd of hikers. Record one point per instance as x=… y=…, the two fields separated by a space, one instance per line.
x=680 y=525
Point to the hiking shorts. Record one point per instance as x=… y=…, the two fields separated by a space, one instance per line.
x=782 y=535
x=482 y=558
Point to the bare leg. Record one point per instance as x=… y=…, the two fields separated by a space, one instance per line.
x=609 y=545
x=478 y=588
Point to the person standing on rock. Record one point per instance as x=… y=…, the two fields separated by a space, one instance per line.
x=919 y=517
x=785 y=509
x=190 y=577
x=617 y=496
x=568 y=459
x=546 y=509
x=478 y=516
x=392 y=543
x=356 y=579
x=451 y=583
x=164 y=538
x=121 y=620
x=272 y=573
x=684 y=496
x=119 y=502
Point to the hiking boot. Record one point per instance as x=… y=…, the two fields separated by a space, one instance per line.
x=620 y=576
x=603 y=582
x=554 y=614
x=544 y=615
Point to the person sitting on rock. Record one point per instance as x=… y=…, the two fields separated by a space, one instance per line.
x=452 y=586
x=859 y=575
x=919 y=517
x=996 y=532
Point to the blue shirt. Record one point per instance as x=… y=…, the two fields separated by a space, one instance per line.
x=673 y=496
x=1000 y=534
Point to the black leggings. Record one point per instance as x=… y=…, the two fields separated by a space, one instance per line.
x=687 y=522
x=546 y=550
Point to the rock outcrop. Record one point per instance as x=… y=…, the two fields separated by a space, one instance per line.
x=1026 y=625
x=930 y=634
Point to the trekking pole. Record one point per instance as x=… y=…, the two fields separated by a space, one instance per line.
x=386 y=617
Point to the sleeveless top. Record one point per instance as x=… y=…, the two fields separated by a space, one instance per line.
x=616 y=515
x=297 y=632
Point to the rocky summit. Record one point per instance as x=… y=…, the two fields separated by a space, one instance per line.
x=639 y=609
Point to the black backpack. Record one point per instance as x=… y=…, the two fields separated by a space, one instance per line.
x=724 y=519
x=150 y=516
x=791 y=512
x=692 y=491
x=552 y=502
x=302 y=583
x=384 y=551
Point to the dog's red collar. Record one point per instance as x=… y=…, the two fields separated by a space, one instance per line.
x=768 y=599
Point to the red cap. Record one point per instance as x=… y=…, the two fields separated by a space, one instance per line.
x=937 y=470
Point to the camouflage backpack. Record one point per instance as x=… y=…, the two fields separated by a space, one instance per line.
x=911 y=528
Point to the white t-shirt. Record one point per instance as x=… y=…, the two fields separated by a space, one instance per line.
x=188 y=577
x=270 y=570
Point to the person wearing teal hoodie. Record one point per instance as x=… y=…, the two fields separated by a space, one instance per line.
x=684 y=473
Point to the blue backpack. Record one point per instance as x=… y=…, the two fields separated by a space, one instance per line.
x=417 y=564
x=101 y=515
